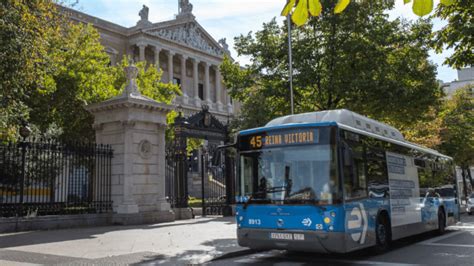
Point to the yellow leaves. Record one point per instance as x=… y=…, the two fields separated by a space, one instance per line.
x=300 y=15
x=305 y=8
x=289 y=6
x=422 y=7
x=315 y=8
x=341 y=5
x=447 y=2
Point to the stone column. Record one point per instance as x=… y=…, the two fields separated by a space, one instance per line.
x=207 y=87
x=170 y=67
x=134 y=126
x=131 y=52
x=141 y=55
x=197 y=101
x=183 y=78
x=218 y=89
x=157 y=57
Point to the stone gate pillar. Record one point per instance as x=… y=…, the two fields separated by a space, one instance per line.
x=134 y=126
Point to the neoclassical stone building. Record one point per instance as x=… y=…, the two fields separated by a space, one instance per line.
x=181 y=48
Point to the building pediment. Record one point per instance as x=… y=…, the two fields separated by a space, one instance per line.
x=189 y=34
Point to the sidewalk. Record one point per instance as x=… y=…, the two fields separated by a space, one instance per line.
x=181 y=242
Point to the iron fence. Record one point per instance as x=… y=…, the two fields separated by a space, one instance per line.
x=48 y=177
x=170 y=176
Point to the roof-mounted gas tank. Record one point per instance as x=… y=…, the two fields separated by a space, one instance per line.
x=343 y=117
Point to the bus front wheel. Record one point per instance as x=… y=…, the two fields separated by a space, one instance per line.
x=441 y=222
x=382 y=233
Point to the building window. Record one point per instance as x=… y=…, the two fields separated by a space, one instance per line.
x=177 y=81
x=201 y=91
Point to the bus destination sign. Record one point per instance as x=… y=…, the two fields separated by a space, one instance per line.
x=280 y=138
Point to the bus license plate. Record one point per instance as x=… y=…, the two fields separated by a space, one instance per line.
x=287 y=236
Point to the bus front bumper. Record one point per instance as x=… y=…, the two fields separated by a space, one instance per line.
x=312 y=241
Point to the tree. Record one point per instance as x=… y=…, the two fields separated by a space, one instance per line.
x=69 y=69
x=79 y=75
x=25 y=27
x=83 y=76
x=356 y=60
x=458 y=33
x=425 y=131
x=303 y=9
x=457 y=130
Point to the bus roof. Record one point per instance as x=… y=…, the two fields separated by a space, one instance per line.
x=347 y=120
x=344 y=117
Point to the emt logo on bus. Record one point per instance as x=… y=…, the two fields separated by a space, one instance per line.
x=284 y=138
x=358 y=220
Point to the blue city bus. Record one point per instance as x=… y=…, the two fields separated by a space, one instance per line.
x=336 y=181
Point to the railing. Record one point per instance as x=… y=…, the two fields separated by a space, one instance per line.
x=169 y=176
x=46 y=177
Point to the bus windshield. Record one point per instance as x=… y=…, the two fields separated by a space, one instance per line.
x=290 y=175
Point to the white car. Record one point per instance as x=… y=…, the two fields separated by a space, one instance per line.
x=470 y=204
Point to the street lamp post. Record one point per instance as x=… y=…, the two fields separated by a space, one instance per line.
x=24 y=133
x=290 y=63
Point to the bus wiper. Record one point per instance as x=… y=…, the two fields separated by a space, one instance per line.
x=262 y=193
x=276 y=189
x=251 y=198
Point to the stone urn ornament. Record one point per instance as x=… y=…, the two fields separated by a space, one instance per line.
x=131 y=87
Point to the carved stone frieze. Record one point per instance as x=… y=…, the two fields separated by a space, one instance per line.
x=189 y=34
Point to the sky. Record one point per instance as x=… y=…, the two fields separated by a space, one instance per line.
x=228 y=18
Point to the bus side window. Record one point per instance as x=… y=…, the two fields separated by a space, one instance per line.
x=377 y=173
x=355 y=182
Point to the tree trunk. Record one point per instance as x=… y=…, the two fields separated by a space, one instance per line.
x=470 y=176
x=463 y=174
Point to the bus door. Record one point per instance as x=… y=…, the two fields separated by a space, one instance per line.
x=430 y=205
x=355 y=196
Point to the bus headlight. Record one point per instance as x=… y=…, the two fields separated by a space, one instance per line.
x=331 y=228
x=327 y=220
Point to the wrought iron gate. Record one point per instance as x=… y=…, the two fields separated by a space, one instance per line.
x=214 y=182
x=217 y=180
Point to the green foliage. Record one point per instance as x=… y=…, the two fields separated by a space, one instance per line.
x=457 y=128
x=52 y=68
x=80 y=75
x=458 y=34
x=25 y=27
x=425 y=131
x=148 y=81
x=356 y=60
x=193 y=144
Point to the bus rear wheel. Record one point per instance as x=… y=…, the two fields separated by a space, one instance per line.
x=441 y=222
x=382 y=234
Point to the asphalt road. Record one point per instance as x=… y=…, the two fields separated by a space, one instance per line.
x=456 y=247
